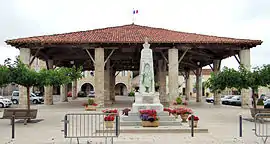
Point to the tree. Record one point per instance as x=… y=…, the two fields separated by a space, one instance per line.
x=241 y=79
x=21 y=74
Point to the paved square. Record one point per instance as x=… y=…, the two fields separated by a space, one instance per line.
x=222 y=122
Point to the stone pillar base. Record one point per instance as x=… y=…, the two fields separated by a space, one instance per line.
x=217 y=100
x=108 y=102
x=64 y=93
x=246 y=98
x=48 y=95
x=22 y=97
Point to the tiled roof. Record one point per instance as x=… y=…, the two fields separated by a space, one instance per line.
x=130 y=34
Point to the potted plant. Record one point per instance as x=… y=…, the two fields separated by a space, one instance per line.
x=108 y=120
x=184 y=113
x=90 y=105
x=195 y=120
x=149 y=118
x=260 y=104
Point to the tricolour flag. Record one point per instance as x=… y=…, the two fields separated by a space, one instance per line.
x=135 y=11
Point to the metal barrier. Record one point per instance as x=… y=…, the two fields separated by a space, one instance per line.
x=90 y=125
x=262 y=128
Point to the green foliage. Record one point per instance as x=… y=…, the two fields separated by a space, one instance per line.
x=231 y=78
x=91 y=101
x=178 y=100
x=131 y=94
x=4 y=76
x=260 y=102
x=22 y=75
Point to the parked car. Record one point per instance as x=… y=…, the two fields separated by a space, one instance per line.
x=91 y=94
x=225 y=99
x=33 y=98
x=210 y=99
x=235 y=100
x=4 y=102
x=267 y=103
x=69 y=94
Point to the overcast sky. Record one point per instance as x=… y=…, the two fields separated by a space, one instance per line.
x=230 y=18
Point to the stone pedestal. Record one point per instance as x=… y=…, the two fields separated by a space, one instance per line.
x=245 y=93
x=107 y=84
x=162 y=82
x=199 y=85
x=188 y=85
x=173 y=74
x=64 y=92
x=147 y=101
x=217 y=98
x=99 y=76
x=48 y=95
x=25 y=58
x=22 y=97
x=112 y=85
x=74 y=89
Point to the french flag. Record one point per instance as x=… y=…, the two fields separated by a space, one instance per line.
x=135 y=11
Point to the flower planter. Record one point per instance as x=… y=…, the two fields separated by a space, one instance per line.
x=260 y=106
x=150 y=124
x=90 y=108
x=175 y=115
x=184 y=117
x=109 y=124
x=195 y=123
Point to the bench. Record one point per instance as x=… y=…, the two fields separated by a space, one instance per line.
x=19 y=113
x=256 y=111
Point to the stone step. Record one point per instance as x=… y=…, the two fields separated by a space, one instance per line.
x=161 y=123
x=137 y=118
x=159 y=114
x=160 y=129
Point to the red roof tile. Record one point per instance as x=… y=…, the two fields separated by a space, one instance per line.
x=130 y=34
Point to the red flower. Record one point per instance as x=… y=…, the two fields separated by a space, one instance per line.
x=94 y=104
x=195 y=118
x=84 y=104
x=109 y=118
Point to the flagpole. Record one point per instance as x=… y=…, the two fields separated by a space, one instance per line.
x=133 y=16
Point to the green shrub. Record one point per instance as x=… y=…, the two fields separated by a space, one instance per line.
x=260 y=102
x=91 y=101
x=131 y=94
x=178 y=100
